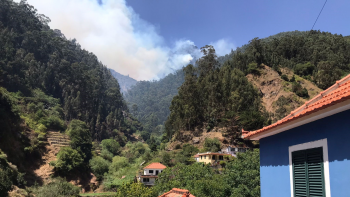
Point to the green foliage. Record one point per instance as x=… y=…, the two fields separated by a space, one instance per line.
x=134 y=190
x=99 y=166
x=118 y=162
x=149 y=101
x=253 y=69
x=212 y=145
x=304 y=69
x=105 y=154
x=62 y=77
x=80 y=138
x=284 y=77
x=68 y=159
x=8 y=175
x=166 y=158
x=57 y=188
x=299 y=90
x=243 y=175
x=198 y=179
x=328 y=72
x=216 y=96
x=111 y=145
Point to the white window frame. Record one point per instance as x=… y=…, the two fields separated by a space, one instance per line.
x=315 y=144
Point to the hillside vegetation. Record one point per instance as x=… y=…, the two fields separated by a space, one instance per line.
x=33 y=56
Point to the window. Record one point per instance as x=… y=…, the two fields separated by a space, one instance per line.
x=308 y=173
x=221 y=157
x=315 y=157
x=151 y=171
x=201 y=157
x=145 y=180
x=214 y=157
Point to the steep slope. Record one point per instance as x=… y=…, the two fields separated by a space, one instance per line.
x=33 y=56
x=278 y=97
x=125 y=82
x=149 y=101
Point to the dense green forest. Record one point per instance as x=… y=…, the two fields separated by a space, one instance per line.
x=149 y=101
x=215 y=96
x=33 y=56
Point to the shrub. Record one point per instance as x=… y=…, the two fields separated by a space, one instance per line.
x=284 y=77
x=99 y=166
x=212 y=145
x=134 y=190
x=253 y=69
x=304 y=69
x=299 y=90
x=57 y=188
x=68 y=159
x=111 y=145
x=118 y=162
x=105 y=154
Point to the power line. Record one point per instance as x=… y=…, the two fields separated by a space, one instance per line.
x=319 y=15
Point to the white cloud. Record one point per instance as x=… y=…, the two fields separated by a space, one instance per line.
x=223 y=46
x=119 y=37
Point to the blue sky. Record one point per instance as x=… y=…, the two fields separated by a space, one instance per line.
x=204 y=21
x=148 y=39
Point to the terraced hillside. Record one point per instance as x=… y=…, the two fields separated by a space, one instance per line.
x=58 y=139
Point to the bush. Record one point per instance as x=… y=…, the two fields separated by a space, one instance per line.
x=99 y=166
x=134 y=190
x=105 y=154
x=304 y=69
x=212 y=145
x=299 y=90
x=111 y=145
x=68 y=159
x=253 y=69
x=284 y=77
x=57 y=188
x=166 y=158
x=118 y=163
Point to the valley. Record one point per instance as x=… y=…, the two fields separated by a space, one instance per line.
x=71 y=126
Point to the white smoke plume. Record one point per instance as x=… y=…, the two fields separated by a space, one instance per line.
x=119 y=37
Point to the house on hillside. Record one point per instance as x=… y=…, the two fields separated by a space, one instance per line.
x=150 y=173
x=212 y=158
x=233 y=150
x=175 y=192
x=307 y=152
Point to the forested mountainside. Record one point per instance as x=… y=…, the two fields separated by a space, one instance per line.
x=149 y=101
x=33 y=56
x=212 y=94
x=125 y=82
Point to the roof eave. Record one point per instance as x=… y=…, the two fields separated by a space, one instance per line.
x=322 y=113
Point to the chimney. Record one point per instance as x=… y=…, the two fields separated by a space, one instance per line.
x=187 y=194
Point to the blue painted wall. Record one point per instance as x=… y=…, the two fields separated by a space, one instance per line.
x=274 y=158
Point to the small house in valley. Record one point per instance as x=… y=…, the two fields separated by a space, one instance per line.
x=211 y=158
x=150 y=173
x=307 y=152
x=175 y=192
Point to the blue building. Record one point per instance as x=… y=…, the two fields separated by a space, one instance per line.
x=307 y=153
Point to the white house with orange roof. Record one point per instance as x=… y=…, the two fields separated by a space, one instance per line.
x=150 y=173
x=307 y=153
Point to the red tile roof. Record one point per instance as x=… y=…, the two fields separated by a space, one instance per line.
x=212 y=154
x=337 y=93
x=149 y=176
x=155 y=166
x=175 y=192
x=196 y=156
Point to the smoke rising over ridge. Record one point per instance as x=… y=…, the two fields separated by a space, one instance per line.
x=119 y=37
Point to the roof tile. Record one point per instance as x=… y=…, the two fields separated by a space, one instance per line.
x=155 y=166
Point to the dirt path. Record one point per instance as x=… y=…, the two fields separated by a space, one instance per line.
x=45 y=170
